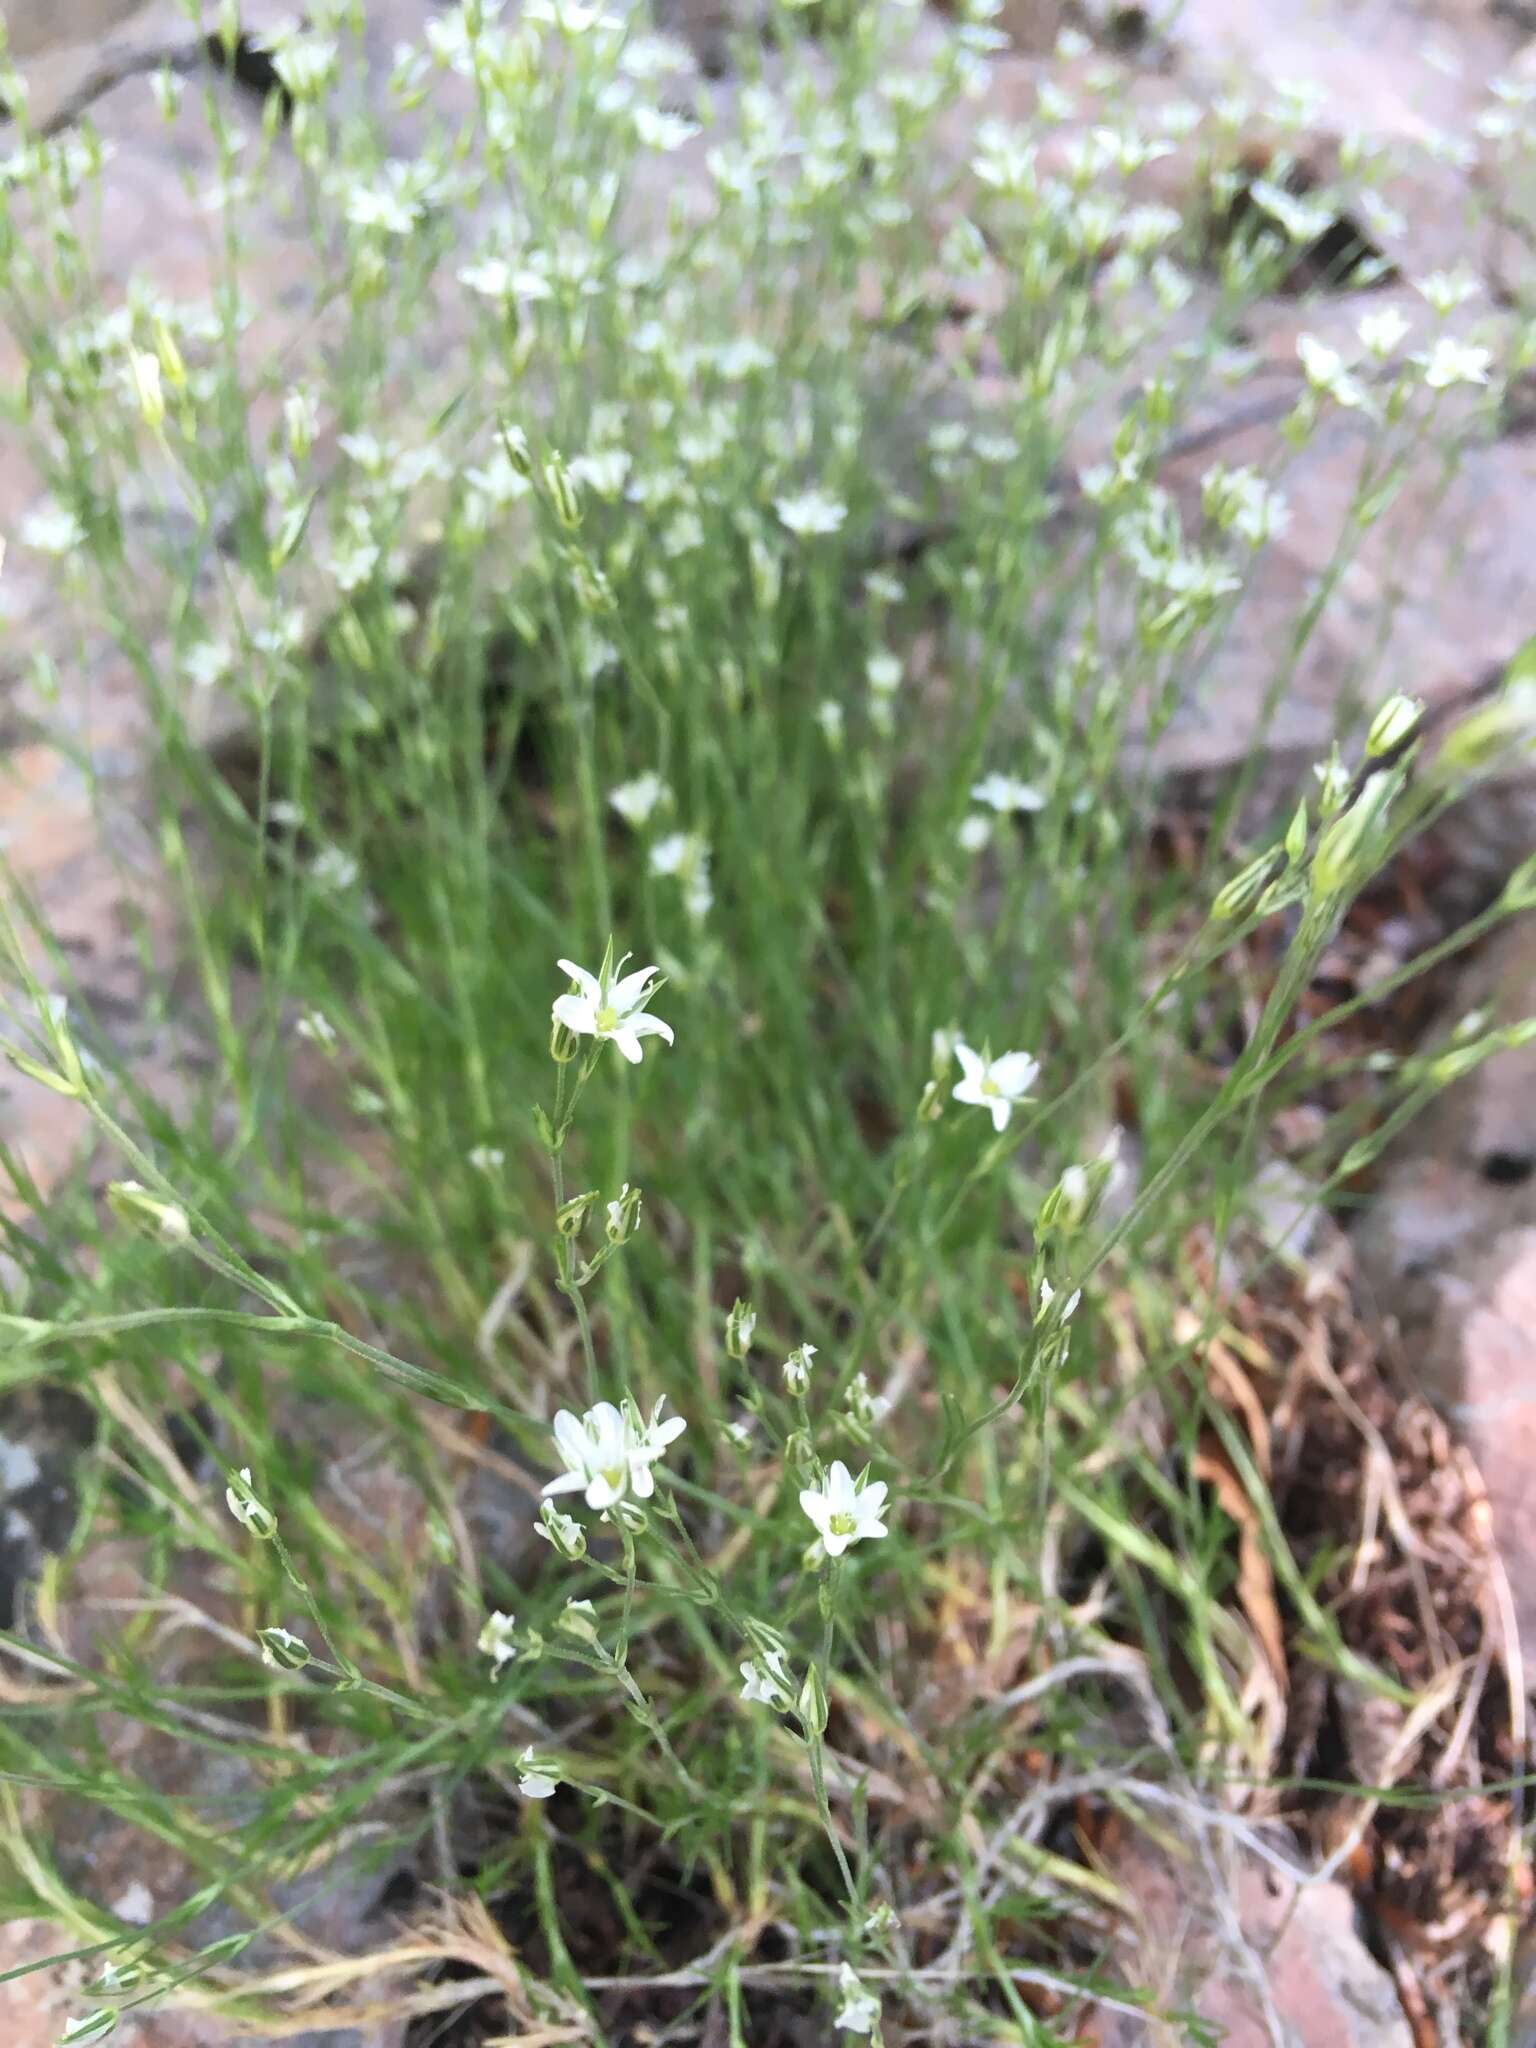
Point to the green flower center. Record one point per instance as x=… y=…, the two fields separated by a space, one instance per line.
x=607 y=1018
x=843 y=1523
x=614 y=1474
x=990 y=1087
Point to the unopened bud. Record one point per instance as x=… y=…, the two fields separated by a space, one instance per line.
x=578 y=1618
x=1340 y=851
x=739 y=1326
x=135 y=1205
x=144 y=378
x=247 y=1510
x=281 y=1648
x=515 y=441
x=571 y=1215
x=811 y=1707
x=563 y=495
x=1392 y=725
x=1237 y=897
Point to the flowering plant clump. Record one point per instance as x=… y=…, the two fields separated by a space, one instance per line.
x=794 y=520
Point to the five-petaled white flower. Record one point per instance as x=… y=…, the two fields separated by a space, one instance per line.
x=495 y=1640
x=845 y=1510
x=611 y=1007
x=1003 y=793
x=609 y=1451
x=635 y=801
x=766 y=1682
x=1325 y=372
x=996 y=1085
x=538 y=1776
x=811 y=514
x=860 y=2009
x=1455 y=362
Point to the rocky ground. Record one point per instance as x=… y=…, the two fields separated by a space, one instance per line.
x=1446 y=1246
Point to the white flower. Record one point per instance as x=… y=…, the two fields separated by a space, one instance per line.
x=318 y=1029
x=334 y=868
x=1304 y=220
x=846 y=1510
x=811 y=513
x=1325 y=372
x=486 y=1158
x=1455 y=362
x=613 y=1009
x=538 y=1776
x=609 y=1451
x=995 y=1085
x=670 y=855
x=658 y=130
x=495 y=1640
x=1381 y=332
x=972 y=833
x=596 y=1449
x=1445 y=290
x=884 y=671
x=765 y=1682
x=860 y=2009
x=492 y=278
x=52 y=530
x=247 y=1509
x=1004 y=793
x=797 y=1368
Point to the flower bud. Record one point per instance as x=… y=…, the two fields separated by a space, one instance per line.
x=563 y=495
x=93 y=2026
x=739 y=1326
x=247 y=1510
x=515 y=441
x=563 y=1533
x=144 y=380
x=1297 y=834
x=172 y=366
x=135 y=1205
x=287 y=1652
x=1237 y=897
x=1484 y=736
x=1343 y=849
x=578 y=1618
x=572 y=1215
x=811 y=1707
x=1392 y=725
x=538 y=1775
x=630 y=1516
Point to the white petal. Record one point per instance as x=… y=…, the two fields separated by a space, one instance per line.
x=644 y=1025
x=1014 y=1071
x=576 y=1014
x=1001 y=1111
x=587 y=983
x=627 y=1043
x=568 y=1482
x=626 y=993
x=972 y=1063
